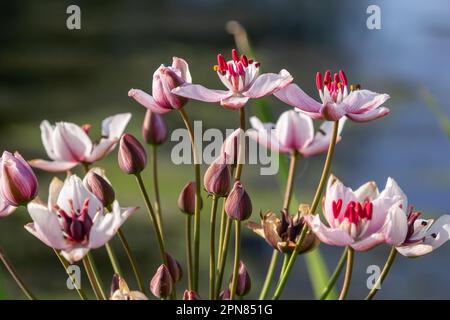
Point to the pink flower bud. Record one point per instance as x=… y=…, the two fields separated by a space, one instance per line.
x=186 y=199
x=132 y=156
x=161 y=284
x=225 y=294
x=217 y=177
x=244 y=283
x=165 y=79
x=18 y=184
x=98 y=185
x=176 y=272
x=238 y=204
x=154 y=128
x=191 y=295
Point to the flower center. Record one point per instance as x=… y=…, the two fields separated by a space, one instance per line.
x=354 y=218
x=332 y=90
x=77 y=223
x=237 y=74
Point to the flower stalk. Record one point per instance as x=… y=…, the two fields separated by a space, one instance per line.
x=384 y=272
x=156 y=186
x=334 y=276
x=348 y=273
x=65 y=264
x=131 y=259
x=93 y=277
x=212 y=254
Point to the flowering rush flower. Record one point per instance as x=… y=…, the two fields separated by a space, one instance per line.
x=358 y=105
x=293 y=132
x=18 y=183
x=74 y=220
x=68 y=144
x=241 y=77
x=165 y=79
x=362 y=218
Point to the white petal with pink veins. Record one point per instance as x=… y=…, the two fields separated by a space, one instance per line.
x=114 y=126
x=369 y=242
x=294 y=130
x=234 y=102
x=147 y=101
x=334 y=237
x=46 y=135
x=199 y=92
x=396 y=226
x=52 y=166
x=183 y=67
x=322 y=138
x=336 y=190
x=74 y=254
x=296 y=97
x=101 y=149
x=370 y=115
x=268 y=83
x=70 y=142
x=362 y=101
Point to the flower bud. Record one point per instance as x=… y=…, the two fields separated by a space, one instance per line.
x=161 y=284
x=101 y=188
x=217 y=177
x=154 y=128
x=234 y=144
x=191 y=295
x=18 y=183
x=244 y=283
x=165 y=79
x=225 y=294
x=176 y=272
x=238 y=205
x=186 y=199
x=132 y=156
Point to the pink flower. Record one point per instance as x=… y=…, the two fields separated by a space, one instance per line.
x=18 y=183
x=358 y=105
x=293 y=131
x=362 y=218
x=68 y=144
x=165 y=79
x=242 y=79
x=423 y=235
x=74 y=221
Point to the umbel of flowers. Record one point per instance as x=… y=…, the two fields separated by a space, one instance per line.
x=83 y=214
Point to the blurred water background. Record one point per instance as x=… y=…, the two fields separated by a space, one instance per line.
x=49 y=72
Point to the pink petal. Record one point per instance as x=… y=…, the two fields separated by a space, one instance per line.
x=268 y=140
x=321 y=140
x=101 y=149
x=332 y=111
x=268 y=83
x=5 y=208
x=335 y=191
x=199 y=92
x=70 y=142
x=46 y=136
x=370 y=115
x=333 y=237
x=234 y=102
x=368 y=191
x=52 y=166
x=415 y=250
x=147 y=101
x=74 y=254
x=114 y=126
x=296 y=97
x=369 y=242
x=362 y=101
x=53 y=193
x=396 y=226
x=183 y=66
x=294 y=130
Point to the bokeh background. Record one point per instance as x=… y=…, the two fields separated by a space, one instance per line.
x=82 y=76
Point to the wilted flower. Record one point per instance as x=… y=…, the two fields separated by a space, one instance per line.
x=68 y=144
x=242 y=79
x=186 y=199
x=217 y=178
x=74 y=220
x=164 y=80
x=132 y=156
x=120 y=290
x=294 y=131
x=191 y=295
x=363 y=218
x=358 y=105
x=97 y=183
x=18 y=183
x=176 y=272
x=283 y=234
x=154 y=128
x=161 y=284
x=238 y=205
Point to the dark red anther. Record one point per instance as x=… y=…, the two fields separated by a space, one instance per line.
x=337 y=206
x=76 y=230
x=359 y=211
x=319 y=84
x=343 y=77
x=222 y=63
x=257 y=64
x=327 y=78
x=349 y=211
x=240 y=68
x=250 y=61
x=231 y=69
x=368 y=209
x=244 y=60
x=234 y=55
x=336 y=78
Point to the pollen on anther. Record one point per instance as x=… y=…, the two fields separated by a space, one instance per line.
x=216 y=68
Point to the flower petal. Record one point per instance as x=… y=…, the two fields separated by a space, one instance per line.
x=258 y=125
x=368 y=243
x=268 y=83
x=396 y=226
x=70 y=142
x=183 y=66
x=234 y=102
x=335 y=191
x=54 y=190
x=322 y=138
x=368 y=191
x=5 y=208
x=199 y=92
x=294 y=130
x=333 y=237
x=46 y=136
x=332 y=111
x=362 y=101
x=268 y=140
x=296 y=97
x=114 y=126
x=74 y=254
x=101 y=149
x=370 y=115
x=52 y=166
x=147 y=101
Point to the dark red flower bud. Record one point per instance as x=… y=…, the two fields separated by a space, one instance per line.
x=225 y=294
x=186 y=199
x=100 y=188
x=161 y=284
x=238 y=205
x=176 y=272
x=132 y=156
x=154 y=128
x=191 y=295
x=217 y=177
x=244 y=283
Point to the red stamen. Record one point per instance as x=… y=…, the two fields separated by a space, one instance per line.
x=359 y=211
x=349 y=211
x=244 y=60
x=337 y=206
x=222 y=63
x=336 y=78
x=343 y=77
x=250 y=61
x=257 y=64
x=319 y=83
x=231 y=69
x=234 y=55
x=240 y=68
x=327 y=78
x=368 y=209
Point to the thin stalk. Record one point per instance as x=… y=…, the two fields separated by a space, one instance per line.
x=348 y=274
x=384 y=272
x=285 y=262
x=132 y=260
x=212 y=254
x=189 y=251
x=93 y=279
x=152 y=216
x=223 y=259
x=198 y=200
x=113 y=259
x=223 y=222
x=269 y=276
x=315 y=203
x=241 y=154
x=334 y=276
x=156 y=187
x=65 y=264
x=237 y=251
x=12 y=271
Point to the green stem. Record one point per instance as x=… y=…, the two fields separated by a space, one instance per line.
x=65 y=264
x=93 y=277
x=12 y=271
x=335 y=275
x=241 y=155
x=348 y=274
x=384 y=272
x=223 y=222
x=152 y=216
x=113 y=259
x=131 y=259
x=156 y=187
x=269 y=276
x=189 y=251
x=212 y=254
x=315 y=203
x=198 y=199
x=223 y=259
x=237 y=251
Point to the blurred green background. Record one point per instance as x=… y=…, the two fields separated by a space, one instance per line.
x=82 y=76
